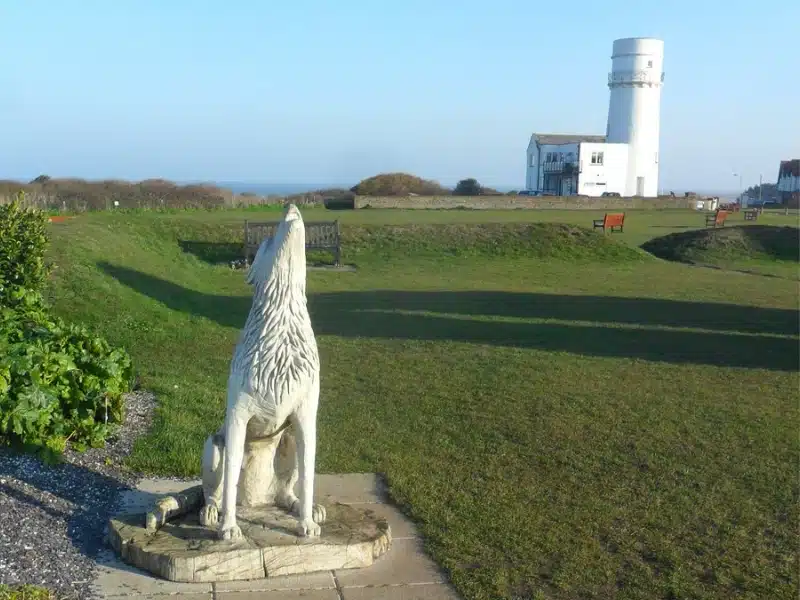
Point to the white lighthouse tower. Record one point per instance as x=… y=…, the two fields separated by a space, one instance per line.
x=634 y=109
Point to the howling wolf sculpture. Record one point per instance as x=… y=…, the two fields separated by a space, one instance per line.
x=273 y=393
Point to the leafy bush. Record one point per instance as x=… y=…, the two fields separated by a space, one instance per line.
x=25 y=592
x=398 y=184
x=23 y=242
x=58 y=383
x=468 y=187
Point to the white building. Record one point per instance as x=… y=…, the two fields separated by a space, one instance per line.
x=625 y=160
x=789 y=182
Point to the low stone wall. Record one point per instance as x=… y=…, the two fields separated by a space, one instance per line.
x=522 y=202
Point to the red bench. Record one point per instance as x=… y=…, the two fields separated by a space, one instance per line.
x=610 y=221
x=717 y=219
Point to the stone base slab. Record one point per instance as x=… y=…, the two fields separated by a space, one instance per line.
x=182 y=550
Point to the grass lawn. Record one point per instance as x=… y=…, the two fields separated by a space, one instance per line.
x=558 y=426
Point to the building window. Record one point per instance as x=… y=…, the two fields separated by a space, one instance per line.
x=656 y=157
x=649 y=64
x=597 y=158
x=533 y=160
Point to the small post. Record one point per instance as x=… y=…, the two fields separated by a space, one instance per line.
x=760 y=186
x=338 y=254
x=246 y=244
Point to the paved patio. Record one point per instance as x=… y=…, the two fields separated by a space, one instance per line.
x=404 y=573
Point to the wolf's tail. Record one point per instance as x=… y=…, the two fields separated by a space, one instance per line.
x=172 y=506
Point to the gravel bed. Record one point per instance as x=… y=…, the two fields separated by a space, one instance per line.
x=53 y=517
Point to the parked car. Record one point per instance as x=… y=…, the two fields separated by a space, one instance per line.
x=611 y=194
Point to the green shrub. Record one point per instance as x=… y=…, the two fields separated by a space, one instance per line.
x=25 y=592
x=23 y=241
x=58 y=383
x=398 y=184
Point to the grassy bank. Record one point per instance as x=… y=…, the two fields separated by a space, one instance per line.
x=620 y=427
x=771 y=249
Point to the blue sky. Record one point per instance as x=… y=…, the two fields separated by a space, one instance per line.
x=331 y=92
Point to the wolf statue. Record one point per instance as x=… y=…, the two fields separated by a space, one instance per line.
x=268 y=439
x=273 y=392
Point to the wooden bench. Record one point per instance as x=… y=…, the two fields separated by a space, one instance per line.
x=320 y=235
x=716 y=219
x=610 y=221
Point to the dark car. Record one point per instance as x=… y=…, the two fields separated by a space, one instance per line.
x=611 y=194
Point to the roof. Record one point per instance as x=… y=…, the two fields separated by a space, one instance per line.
x=789 y=168
x=566 y=138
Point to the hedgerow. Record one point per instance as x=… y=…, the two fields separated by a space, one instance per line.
x=59 y=383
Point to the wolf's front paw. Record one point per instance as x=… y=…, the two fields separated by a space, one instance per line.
x=319 y=514
x=230 y=532
x=209 y=515
x=308 y=528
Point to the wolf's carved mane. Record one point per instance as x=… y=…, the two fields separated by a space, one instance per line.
x=277 y=351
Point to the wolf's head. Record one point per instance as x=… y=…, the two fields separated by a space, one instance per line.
x=283 y=256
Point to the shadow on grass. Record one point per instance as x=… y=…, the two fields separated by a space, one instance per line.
x=217 y=253
x=213 y=252
x=389 y=314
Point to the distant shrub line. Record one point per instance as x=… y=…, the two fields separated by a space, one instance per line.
x=59 y=384
x=78 y=195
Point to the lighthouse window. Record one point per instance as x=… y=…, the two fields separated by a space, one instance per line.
x=597 y=158
x=649 y=64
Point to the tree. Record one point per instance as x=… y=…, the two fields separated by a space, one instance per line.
x=468 y=187
x=769 y=192
x=398 y=184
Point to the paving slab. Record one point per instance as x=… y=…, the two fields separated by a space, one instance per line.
x=405 y=563
x=310 y=581
x=281 y=595
x=115 y=578
x=405 y=572
x=351 y=488
x=163 y=597
x=425 y=591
